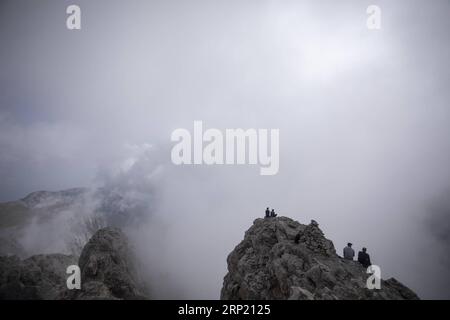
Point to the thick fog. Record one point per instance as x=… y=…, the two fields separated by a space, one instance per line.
x=363 y=115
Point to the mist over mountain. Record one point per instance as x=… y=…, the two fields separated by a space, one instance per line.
x=278 y=259
x=62 y=221
x=363 y=119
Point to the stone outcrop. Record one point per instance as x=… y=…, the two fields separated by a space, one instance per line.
x=107 y=271
x=40 y=277
x=106 y=265
x=280 y=258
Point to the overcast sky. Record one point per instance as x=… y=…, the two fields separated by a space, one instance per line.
x=364 y=121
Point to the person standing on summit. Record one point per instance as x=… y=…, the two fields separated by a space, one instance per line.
x=267 y=212
x=349 y=253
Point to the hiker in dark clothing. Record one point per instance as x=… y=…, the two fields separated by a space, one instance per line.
x=364 y=258
x=273 y=214
x=267 y=212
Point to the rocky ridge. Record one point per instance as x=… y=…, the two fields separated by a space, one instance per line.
x=269 y=264
x=107 y=272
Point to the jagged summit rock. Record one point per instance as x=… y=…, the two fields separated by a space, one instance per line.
x=107 y=269
x=106 y=264
x=269 y=264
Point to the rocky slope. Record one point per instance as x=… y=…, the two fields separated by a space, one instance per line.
x=107 y=272
x=269 y=264
x=40 y=277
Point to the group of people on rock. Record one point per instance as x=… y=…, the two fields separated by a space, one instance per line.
x=270 y=214
x=363 y=256
x=349 y=253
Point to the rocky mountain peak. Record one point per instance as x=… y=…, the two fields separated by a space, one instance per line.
x=107 y=268
x=280 y=258
x=106 y=264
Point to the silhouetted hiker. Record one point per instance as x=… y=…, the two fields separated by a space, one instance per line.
x=267 y=212
x=348 y=252
x=364 y=258
x=273 y=214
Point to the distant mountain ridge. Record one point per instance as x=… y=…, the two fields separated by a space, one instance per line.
x=36 y=198
x=60 y=218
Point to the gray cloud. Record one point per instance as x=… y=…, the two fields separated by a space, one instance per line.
x=363 y=118
x=438 y=222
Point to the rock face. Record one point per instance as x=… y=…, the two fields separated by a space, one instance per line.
x=40 y=277
x=107 y=271
x=106 y=267
x=280 y=258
